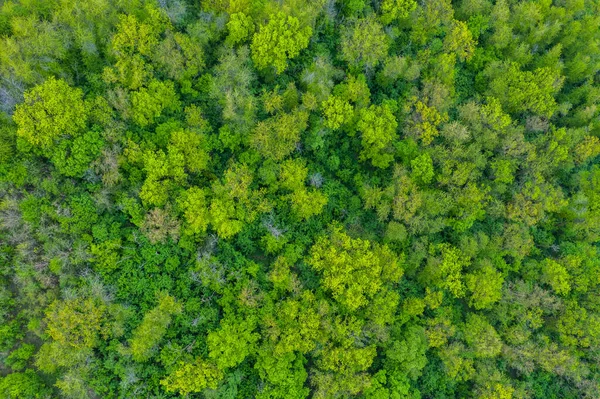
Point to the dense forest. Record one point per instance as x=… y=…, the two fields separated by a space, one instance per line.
x=288 y=199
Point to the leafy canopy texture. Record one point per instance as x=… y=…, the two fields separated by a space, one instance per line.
x=294 y=199
x=51 y=111
x=280 y=40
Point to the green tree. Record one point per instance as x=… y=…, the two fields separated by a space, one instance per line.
x=485 y=286
x=425 y=122
x=557 y=276
x=377 y=125
x=445 y=268
x=195 y=210
x=422 y=169
x=459 y=41
x=353 y=270
x=524 y=91
x=51 y=111
x=149 y=103
x=26 y=385
x=240 y=28
x=179 y=56
x=148 y=334
x=364 y=43
x=280 y=40
x=74 y=157
x=277 y=136
x=396 y=9
x=337 y=112
x=481 y=337
x=163 y=171
x=232 y=342
x=192 y=377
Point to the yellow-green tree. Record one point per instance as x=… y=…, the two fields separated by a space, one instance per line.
x=153 y=327
x=353 y=270
x=377 y=125
x=51 y=110
x=281 y=39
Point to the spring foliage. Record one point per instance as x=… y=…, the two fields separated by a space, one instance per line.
x=372 y=199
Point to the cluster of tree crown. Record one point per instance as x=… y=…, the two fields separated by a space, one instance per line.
x=288 y=199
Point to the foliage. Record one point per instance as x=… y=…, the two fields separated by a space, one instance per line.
x=280 y=40
x=354 y=270
x=51 y=111
x=299 y=199
x=152 y=328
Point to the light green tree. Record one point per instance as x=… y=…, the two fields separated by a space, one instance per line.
x=377 y=125
x=148 y=103
x=192 y=377
x=485 y=287
x=277 y=136
x=364 y=43
x=422 y=169
x=353 y=270
x=481 y=336
x=337 y=112
x=51 y=110
x=396 y=9
x=281 y=39
x=153 y=327
x=232 y=342
x=195 y=208
x=240 y=28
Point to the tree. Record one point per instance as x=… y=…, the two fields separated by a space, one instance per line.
x=353 y=270
x=281 y=39
x=337 y=112
x=232 y=342
x=422 y=169
x=485 y=286
x=195 y=210
x=74 y=157
x=51 y=111
x=153 y=327
x=193 y=146
x=425 y=122
x=460 y=41
x=396 y=9
x=377 y=125
x=481 y=337
x=318 y=77
x=405 y=357
x=134 y=42
x=524 y=91
x=75 y=327
x=557 y=276
x=159 y=224
x=445 y=270
x=231 y=87
x=364 y=43
x=147 y=104
x=26 y=385
x=162 y=172
x=179 y=56
x=192 y=377
x=77 y=323
x=286 y=376
x=305 y=203
x=277 y=136
x=234 y=202
x=240 y=28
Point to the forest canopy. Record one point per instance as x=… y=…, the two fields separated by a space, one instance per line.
x=290 y=199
